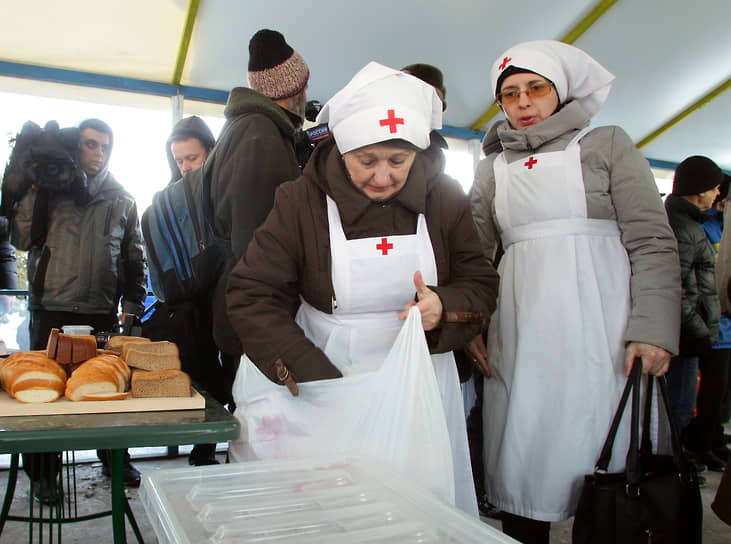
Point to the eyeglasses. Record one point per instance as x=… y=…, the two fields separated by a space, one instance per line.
x=536 y=89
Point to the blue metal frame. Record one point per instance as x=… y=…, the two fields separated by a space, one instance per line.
x=115 y=83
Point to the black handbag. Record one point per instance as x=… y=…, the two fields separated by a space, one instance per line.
x=656 y=499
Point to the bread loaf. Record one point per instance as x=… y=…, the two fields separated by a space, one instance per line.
x=161 y=348
x=153 y=356
x=52 y=345
x=32 y=376
x=67 y=348
x=160 y=383
x=104 y=376
x=115 y=343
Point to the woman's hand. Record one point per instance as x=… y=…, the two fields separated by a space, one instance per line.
x=655 y=360
x=429 y=304
x=477 y=352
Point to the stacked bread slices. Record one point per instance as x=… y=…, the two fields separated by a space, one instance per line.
x=156 y=370
x=67 y=348
x=116 y=343
x=32 y=376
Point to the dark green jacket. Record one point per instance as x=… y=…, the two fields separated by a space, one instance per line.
x=253 y=155
x=701 y=310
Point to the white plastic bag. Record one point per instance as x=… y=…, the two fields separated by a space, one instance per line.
x=394 y=414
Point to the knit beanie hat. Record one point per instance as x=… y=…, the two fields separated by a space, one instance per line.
x=431 y=75
x=275 y=69
x=696 y=174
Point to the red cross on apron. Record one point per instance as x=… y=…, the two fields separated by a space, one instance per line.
x=384 y=246
x=505 y=62
x=530 y=163
x=392 y=121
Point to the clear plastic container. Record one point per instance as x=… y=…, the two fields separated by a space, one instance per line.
x=324 y=501
x=77 y=330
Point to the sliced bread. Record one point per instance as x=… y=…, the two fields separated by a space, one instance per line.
x=139 y=358
x=162 y=348
x=160 y=383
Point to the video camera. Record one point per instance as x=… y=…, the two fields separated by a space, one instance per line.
x=46 y=159
x=306 y=140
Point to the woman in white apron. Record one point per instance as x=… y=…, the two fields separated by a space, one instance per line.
x=589 y=281
x=372 y=228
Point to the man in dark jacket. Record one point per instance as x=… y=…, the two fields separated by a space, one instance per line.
x=254 y=154
x=88 y=232
x=189 y=323
x=695 y=188
x=189 y=144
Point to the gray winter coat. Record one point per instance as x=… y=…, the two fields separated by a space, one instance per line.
x=619 y=186
x=92 y=255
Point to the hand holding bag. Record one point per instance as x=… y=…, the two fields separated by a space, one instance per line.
x=656 y=499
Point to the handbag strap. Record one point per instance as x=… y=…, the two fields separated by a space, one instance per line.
x=646 y=447
x=606 y=454
x=681 y=461
x=634 y=454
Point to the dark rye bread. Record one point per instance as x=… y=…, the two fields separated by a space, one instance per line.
x=67 y=348
x=160 y=383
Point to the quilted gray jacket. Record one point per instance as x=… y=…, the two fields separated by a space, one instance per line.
x=91 y=256
x=619 y=186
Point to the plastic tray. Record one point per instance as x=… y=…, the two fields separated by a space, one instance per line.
x=338 y=500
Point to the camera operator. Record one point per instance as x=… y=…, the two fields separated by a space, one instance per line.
x=83 y=236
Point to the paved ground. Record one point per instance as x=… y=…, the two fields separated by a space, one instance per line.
x=93 y=495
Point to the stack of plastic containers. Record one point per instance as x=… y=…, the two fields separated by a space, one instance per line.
x=339 y=500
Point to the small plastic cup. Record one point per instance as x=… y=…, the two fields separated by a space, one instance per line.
x=77 y=330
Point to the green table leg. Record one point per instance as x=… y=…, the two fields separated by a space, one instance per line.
x=118 y=499
x=10 y=490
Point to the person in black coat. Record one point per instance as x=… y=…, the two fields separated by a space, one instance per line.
x=695 y=187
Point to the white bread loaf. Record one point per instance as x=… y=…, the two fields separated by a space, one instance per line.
x=115 y=343
x=32 y=376
x=160 y=383
x=104 y=376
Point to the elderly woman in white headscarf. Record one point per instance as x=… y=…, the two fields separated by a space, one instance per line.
x=590 y=280
x=372 y=228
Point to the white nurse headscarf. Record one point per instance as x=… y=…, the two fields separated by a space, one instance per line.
x=381 y=104
x=575 y=74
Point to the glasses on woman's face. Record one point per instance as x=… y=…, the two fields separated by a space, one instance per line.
x=536 y=89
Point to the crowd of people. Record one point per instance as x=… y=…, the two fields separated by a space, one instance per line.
x=560 y=268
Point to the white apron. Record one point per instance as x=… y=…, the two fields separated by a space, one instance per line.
x=373 y=281
x=556 y=339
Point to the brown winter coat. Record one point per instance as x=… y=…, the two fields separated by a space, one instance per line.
x=289 y=257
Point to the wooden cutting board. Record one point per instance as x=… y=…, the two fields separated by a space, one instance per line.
x=11 y=407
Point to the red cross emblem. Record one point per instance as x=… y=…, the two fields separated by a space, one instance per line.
x=505 y=62
x=384 y=246
x=392 y=121
x=530 y=163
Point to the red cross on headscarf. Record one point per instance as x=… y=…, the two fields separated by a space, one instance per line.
x=392 y=121
x=384 y=246
x=530 y=163
x=505 y=62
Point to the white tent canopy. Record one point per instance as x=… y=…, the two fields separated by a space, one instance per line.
x=670 y=56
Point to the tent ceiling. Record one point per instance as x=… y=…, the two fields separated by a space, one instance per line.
x=666 y=54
